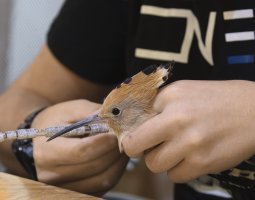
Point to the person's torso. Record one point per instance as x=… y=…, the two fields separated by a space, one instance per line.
x=207 y=39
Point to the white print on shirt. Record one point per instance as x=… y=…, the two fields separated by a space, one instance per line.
x=240 y=36
x=192 y=28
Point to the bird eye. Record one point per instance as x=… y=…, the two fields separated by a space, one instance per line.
x=115 y=111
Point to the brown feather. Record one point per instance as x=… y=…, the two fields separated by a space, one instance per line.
x=134 y=98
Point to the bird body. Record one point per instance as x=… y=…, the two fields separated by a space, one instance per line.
x=129 y=104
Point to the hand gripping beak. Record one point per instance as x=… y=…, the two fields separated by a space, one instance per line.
x=93 y=119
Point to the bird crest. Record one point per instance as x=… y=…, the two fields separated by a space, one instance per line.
x=142 y=87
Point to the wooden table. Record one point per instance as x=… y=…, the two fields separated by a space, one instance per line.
x=16 y=188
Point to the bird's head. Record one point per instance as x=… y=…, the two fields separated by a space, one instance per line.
x=129 y=104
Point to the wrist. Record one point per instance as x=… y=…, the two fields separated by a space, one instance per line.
x=23 y=149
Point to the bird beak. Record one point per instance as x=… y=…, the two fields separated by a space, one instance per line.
x=93 y=119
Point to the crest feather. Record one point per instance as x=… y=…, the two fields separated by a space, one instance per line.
x=142 y=87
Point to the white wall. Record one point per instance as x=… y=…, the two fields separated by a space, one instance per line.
x=5 y=6
x=28 y=26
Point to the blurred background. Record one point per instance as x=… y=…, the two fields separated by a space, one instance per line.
x=23 y=29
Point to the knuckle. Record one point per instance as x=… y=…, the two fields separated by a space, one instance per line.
x=128 y=148
x=153 y=164
x=178 y=176
x=130 y=152
x=175 y=177
x=107 y=184
x=195 y=139
x=181 y=119
x=109 y=181
x=200 y=162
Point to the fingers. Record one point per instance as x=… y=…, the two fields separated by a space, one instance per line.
x=69 y=151
x=146 y=136
x=165 y=156
x=171 y=121
x=102 y=182
x=184 y=172
x=94 y=147
x=76 y=172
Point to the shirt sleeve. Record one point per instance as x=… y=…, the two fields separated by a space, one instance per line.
x=88 y=37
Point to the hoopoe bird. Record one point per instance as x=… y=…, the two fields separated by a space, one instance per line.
x=129 y=104
x=125 y=108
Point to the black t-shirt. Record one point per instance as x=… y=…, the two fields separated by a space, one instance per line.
x=106 y=41
x=89 y=38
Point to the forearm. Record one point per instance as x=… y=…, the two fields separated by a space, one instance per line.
x=16 y=104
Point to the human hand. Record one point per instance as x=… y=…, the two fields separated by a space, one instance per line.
x=203 y=127
x=88 y=165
